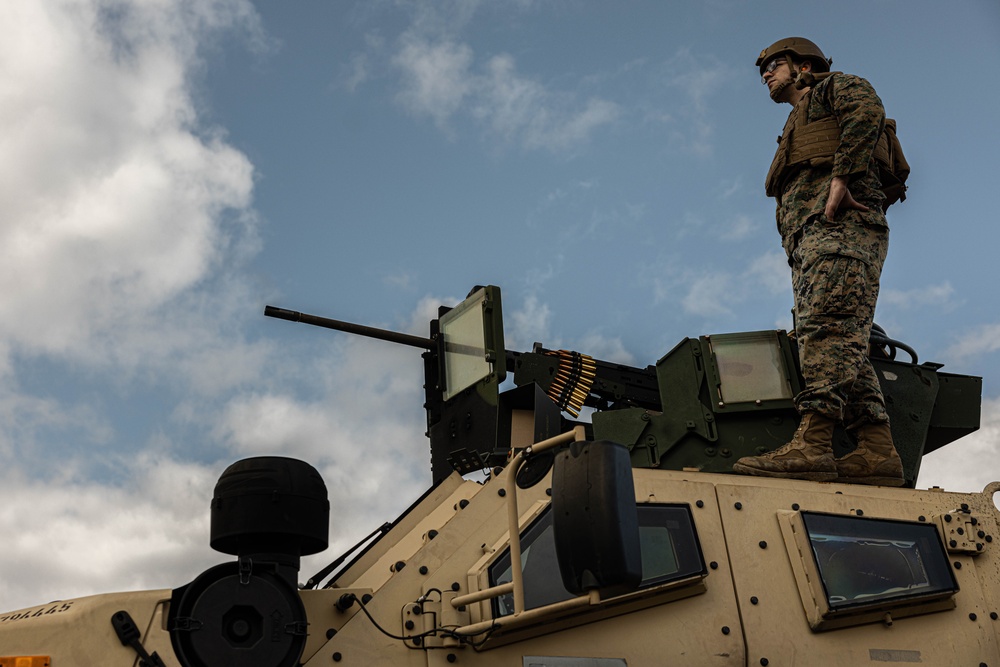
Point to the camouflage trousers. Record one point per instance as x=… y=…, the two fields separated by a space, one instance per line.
x=835 y=277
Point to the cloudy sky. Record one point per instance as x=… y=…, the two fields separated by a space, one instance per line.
x=167 y=167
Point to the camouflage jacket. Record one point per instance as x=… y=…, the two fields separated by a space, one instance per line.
x=859 y=111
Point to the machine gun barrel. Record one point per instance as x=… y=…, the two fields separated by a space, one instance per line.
x=350 y=327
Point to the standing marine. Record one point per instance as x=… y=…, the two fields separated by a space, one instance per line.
x=832 y=224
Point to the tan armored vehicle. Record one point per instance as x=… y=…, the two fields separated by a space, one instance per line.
x=622 y=540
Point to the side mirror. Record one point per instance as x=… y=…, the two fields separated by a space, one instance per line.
x=594 y=518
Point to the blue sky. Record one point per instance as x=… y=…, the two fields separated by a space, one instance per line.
x=171 y=167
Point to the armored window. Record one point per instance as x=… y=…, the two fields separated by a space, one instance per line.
x=870 y=562
x=751 y=368
x=473 y=341
x=854 y=570
x=670 y=552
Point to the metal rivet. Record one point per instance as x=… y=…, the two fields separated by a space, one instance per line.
x=859 y=512
x=958 y=566
x=699 y=503
x=330 y=633
x=947 y=518
x=764 y=662
x=366 y=598
x=399 y=565
x=972 y=617
x=409 y=625
x=960 y=531
x=795 y=506
x=762 y=544
x=952 y=544
x=714 y=565
x=725 y=629
x=452 y=657
x=423 y=569
x=738 y=506
x=993 y=615
x=921 y=518
x=502 y=492
x=463 y=503
x=336 y=657
x=754 y=600
x=455 y=587
x=431 y=534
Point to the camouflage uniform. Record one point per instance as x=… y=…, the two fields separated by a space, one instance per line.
x=836 y=264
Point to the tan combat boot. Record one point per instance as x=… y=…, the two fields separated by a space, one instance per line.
x=874 y=461
x=809 y=455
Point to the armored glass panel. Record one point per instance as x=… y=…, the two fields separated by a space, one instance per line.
x=870 y=562
x=463 y=330
x=750 y=367
x=670 y=552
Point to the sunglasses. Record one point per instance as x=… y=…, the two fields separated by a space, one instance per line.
x=771 y=66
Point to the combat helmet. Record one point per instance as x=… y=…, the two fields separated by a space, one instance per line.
x=798 y=48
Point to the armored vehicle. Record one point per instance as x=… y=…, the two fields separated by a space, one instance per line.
x=582 y=514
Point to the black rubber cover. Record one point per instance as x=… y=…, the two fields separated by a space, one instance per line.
x=270 y=504
x=594 y=517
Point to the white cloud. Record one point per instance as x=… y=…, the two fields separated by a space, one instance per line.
x=115 y=203
x=514 y=106
x=440 y=80
x=929 y=295
x=125 y=223
x=82 y=537
x=436 y=77
x=27 y=419
x=714 y=293
x=981 y=340
x=698 y=77
x=739 y=228
x=529 y=324
x=733 y=188
x=606 y=348
x=710 y=295
x=364 y=430
x=771 y=271
x=360 y=424
x=400 y=280
x=968 y=464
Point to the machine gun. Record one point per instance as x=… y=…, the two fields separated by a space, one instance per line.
x=702 y=406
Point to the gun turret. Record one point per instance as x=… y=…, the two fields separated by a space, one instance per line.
x=706 y=403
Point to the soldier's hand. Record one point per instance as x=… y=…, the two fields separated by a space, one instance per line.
x=840 y=197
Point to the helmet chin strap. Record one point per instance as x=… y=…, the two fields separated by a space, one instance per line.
x=776 y=92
